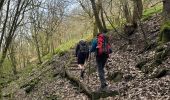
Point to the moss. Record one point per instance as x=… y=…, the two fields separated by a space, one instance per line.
x=145 y=69
x=30 y=85
x=103 y=94
x=160 y=56
x=164 y=35
x=160 y=48
x=66 y=46
x=147 y=13
x=48 y=56
x=62 y=53
x=141 y=64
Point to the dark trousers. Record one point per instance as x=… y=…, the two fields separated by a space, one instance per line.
x=82 y=56
x=101 y=61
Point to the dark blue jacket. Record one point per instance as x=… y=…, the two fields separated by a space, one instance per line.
x=94 y=45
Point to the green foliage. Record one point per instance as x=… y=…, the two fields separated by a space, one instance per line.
x=48 y=56
x=164 y=35
x=28 y=69
x=24 y=72
x=63 y=48
x=66 y=46
x=7 y=66
x=117 y=25
x=7 y=78
x=30 y=86
x=7 y=74
x=150 y=11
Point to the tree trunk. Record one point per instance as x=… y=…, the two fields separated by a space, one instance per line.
x=4 y=52
x=166 y=10
x=96 y=15
x=100 y=7
x=1 y=4
x=138 y=9
x=126 y=11
x=38 y=49
x=13 y=59
x=95 y=29
x=165 y=29
x=4 y=25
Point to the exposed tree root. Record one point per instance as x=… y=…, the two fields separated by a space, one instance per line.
x=86 y=90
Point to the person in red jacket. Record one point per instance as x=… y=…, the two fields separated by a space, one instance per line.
x=102 y=49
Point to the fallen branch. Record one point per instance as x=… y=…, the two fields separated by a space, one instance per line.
x=77 y=82
x=86 y=90
x=156 y=3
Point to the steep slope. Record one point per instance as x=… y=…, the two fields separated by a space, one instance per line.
x=49 y=83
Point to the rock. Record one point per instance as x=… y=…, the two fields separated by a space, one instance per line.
x=141 y=64
x=116 y=76
x=161 y=73
x=128 y=77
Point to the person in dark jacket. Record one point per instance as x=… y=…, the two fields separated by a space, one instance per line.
x=82 y=54
x=101 y=61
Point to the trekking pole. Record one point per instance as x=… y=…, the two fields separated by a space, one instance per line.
x=89 y=66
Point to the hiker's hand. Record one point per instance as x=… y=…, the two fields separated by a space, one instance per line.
x=88 y=60
x=109 y=56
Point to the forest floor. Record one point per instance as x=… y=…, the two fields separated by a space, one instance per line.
x=46 y=83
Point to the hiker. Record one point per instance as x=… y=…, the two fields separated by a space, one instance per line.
x=102 y=49
x=82 y=54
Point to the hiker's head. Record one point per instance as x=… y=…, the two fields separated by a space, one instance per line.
x=82 y=40
x=105 y=31
x=99 y=33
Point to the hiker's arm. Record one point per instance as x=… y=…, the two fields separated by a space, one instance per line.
x=87 y=56
x=77 y=48
x=110 y=51
x=94 y=45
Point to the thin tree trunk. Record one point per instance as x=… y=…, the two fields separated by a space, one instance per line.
x=137 y=11
x=38 y=50
x=4 y=25
x=164 y=35
x=13 y=59
x=1 y=4
x=95 y=29
x=96 y=14
x=126 y=11
x=100 y=8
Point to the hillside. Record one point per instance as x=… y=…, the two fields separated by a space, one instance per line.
x=129 y=72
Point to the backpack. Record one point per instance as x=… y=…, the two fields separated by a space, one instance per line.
x=83 y=47
x=102 y=45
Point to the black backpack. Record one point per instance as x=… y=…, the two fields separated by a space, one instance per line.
x=83 y=47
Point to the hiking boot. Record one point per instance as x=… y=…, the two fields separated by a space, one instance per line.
x=105 y=89
x=104 y=86
x=82 y=74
